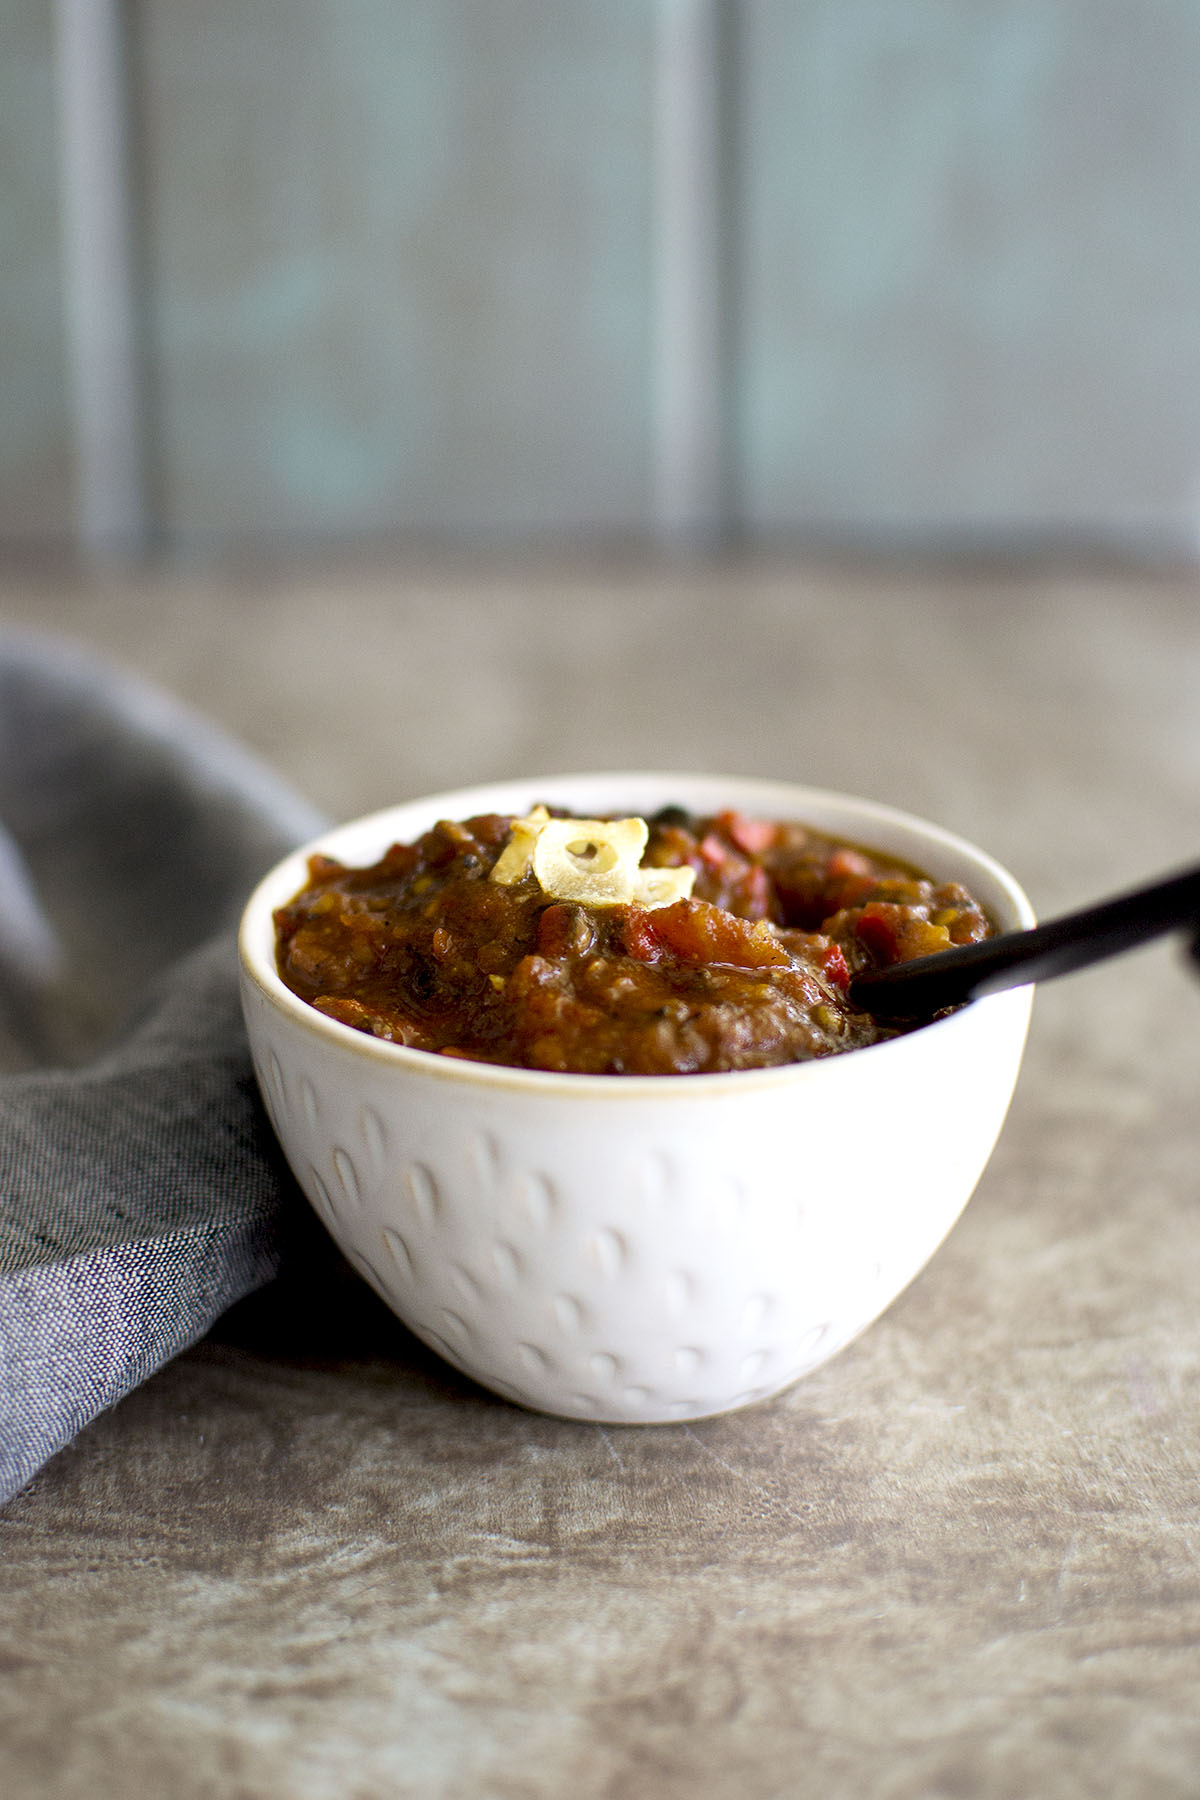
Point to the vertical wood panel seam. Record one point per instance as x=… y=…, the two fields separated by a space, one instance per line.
x=106 y=377
x=693 y=497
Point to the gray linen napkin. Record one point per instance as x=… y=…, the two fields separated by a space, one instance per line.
x=141 y=1192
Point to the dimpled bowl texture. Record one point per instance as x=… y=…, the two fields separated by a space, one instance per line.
x=636 y=1249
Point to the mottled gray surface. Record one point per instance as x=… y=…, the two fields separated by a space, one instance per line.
x=961 y=1561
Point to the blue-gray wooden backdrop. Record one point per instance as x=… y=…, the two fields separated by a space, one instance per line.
x=433 y=268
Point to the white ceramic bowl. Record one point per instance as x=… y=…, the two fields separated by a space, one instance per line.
x=637 y=1249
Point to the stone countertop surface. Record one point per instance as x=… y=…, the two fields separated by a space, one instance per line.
x=962 y=1560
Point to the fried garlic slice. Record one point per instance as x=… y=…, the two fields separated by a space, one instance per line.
x=516 y=859
x=594 y=862
x=663 y=887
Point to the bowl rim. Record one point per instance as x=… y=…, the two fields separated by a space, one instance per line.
x=288 y=874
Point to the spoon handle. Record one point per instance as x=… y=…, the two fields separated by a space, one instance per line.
x=925 y=985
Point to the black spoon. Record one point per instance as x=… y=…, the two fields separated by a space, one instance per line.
x=927 y=984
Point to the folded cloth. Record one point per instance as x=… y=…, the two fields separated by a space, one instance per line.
x=141 y=1192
